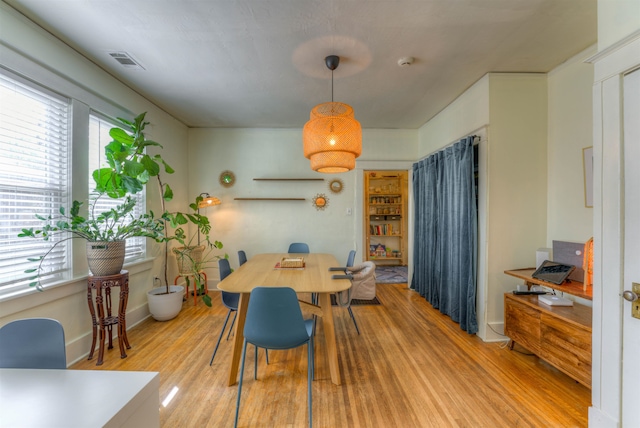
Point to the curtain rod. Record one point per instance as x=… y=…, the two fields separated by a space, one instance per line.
x=476 y=140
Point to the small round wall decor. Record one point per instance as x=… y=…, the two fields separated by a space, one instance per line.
x=227 y=178
x=320 y=201
x=336 y=185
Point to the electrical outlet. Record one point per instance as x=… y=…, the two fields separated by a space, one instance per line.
x=635 y=305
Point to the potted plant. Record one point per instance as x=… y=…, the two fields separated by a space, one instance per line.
x=192 y=256
x=105 y=233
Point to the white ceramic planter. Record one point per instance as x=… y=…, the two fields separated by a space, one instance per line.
x=164 y=307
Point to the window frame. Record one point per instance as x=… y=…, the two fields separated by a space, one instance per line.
x=83 y=103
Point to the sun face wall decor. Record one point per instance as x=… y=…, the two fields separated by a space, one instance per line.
x=320 y=201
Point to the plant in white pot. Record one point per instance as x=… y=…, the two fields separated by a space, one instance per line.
x=130 y=168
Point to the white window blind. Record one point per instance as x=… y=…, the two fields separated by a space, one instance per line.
x=98 y=138
x=34 y=163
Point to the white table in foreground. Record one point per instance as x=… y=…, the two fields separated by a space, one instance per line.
x=260 y=271
x=79 y=398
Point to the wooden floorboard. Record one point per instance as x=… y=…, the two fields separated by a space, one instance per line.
x=411 y=366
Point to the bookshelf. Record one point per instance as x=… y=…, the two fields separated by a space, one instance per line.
x=385 y=217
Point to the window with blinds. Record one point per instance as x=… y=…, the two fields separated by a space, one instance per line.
x=34 y=165
x=99 y=137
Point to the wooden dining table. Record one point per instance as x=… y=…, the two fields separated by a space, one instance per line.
x=261 y=271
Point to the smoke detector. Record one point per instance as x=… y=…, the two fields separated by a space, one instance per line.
x=405 y=61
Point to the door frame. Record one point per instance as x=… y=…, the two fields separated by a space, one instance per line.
x=610 y=65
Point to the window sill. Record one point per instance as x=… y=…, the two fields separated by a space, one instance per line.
x=31 y=298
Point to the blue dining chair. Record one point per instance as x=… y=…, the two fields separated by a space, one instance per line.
x=32 y=343
x=274 y=321
x=230 y=301
x=299 y=247
x=242 y=257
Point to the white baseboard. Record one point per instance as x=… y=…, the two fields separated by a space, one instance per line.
x=495 y=332
x=597 y=419
x=79 y=349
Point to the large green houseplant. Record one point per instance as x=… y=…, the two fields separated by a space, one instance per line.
x=130 y=168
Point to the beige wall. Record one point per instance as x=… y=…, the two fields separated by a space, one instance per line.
x=570 y=131
x=517 y=180
x=467 y=114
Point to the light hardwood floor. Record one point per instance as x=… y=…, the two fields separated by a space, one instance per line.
x=410 y=367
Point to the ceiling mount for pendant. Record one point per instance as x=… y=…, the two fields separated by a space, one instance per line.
x=332 y=138
x=332 y=62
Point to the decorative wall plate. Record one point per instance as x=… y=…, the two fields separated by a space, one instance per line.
x=320 y=201
x=227 y=178
x=336 y=185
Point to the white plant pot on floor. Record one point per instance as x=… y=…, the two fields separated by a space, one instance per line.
x=162 y=306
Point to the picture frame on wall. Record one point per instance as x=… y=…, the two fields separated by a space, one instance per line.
x=587 y=163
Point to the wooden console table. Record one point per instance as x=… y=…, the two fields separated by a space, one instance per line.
x=104 y=318
x=560 y=335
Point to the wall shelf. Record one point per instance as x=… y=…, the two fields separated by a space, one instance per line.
x=288 y=179
x=269 y=199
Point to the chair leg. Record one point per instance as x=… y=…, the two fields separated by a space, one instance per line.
x=220 y=337
x=310 y=376
x=255 y=365
x=232 y=324
x=266 y=351
x=244 y=354
x=354 y=319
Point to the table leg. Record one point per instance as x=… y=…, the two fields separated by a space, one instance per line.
x=101 y=315
x=238 y=338
x=330 y=336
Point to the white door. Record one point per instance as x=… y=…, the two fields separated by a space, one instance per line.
x=631 y=326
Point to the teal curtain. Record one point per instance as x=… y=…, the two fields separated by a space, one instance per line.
x=446 y=232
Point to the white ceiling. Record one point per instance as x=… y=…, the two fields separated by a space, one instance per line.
x=260 y=63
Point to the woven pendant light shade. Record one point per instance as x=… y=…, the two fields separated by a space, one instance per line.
x=332 y=138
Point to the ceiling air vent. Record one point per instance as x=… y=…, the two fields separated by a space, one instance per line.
x=126 y=60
